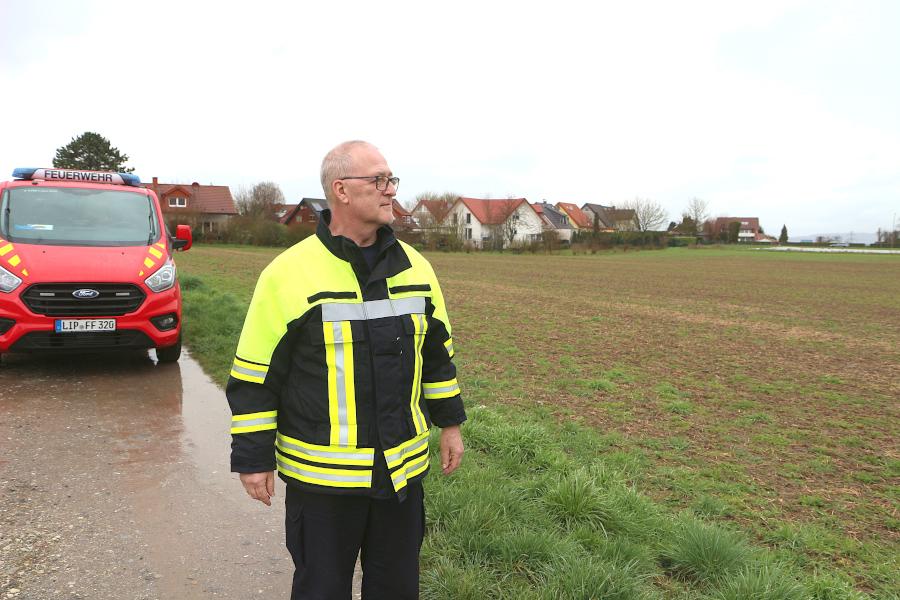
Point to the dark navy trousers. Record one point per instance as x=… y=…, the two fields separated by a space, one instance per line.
x=325 y=533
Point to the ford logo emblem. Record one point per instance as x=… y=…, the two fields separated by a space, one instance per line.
x=85 y=293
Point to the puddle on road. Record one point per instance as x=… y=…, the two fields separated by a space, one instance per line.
x=156 y=413
x=136 y=455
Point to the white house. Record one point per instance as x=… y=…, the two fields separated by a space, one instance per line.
x=489 y=223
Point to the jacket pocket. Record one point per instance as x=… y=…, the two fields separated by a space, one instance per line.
x=293 y=527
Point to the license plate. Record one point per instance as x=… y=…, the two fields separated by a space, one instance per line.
x=81 y=325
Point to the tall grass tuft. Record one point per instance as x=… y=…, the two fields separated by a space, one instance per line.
x=450 y=580
x=762 y=583
x=518 y=443
x=574 y=500
x=528 y=552
x=616 y=550
x=590 y=579
x=833 y=587
x=627 y=512
x=702 y=553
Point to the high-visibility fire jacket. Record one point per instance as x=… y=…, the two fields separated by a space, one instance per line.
x=340 y=371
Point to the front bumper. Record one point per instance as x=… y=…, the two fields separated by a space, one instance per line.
x=35 y=333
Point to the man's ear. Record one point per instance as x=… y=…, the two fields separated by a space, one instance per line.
x=339 y=191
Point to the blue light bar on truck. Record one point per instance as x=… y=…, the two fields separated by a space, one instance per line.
x=77 y=176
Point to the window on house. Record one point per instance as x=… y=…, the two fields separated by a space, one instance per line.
x=468 y=233
x=177 y=202
x=468 y=218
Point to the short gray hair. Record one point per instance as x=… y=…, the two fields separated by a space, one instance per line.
x=338 y=163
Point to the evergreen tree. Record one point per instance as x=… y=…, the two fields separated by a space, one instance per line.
x=783 y=238
x=92 y=152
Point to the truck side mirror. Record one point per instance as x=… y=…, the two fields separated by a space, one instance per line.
x=183 y=238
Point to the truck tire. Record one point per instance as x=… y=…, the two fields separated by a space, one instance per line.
x=169 y=354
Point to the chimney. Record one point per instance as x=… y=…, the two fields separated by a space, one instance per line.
x=156 y=186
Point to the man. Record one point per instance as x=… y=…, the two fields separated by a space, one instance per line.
x=343 y=364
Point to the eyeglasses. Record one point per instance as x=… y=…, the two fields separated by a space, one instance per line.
x=381 y=182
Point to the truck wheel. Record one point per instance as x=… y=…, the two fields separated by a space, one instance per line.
x=169 y=354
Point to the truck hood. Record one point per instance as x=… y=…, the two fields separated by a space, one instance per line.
x=37 y=264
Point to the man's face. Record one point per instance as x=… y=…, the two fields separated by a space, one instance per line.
x=368 y=206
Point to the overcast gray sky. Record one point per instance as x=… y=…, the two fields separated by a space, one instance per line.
x=784 y=110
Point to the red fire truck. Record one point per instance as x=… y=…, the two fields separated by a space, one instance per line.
x=86 y=264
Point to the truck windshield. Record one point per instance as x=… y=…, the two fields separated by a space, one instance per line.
x=78 y=217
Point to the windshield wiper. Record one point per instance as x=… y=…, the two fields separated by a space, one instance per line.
x=150 y=237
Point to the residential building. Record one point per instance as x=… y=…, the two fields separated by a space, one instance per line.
x=489 y=223
x=554 y=220
x=205 y=207
x=577 y=217
x=282 y=210
x=306 y=211
x=748 y=232
x=612 y=218
x=403 y=219
x=430 y=214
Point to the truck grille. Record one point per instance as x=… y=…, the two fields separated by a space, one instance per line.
x=113 y=340
x=56 y=299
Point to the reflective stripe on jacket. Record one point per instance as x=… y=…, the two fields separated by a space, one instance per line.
x=340 y=371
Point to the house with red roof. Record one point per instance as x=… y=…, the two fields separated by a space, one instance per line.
x=430 y=214
x=494 y=223
x=403 y=219
x=577 y=217
x=205 y=207
x=306 y=211
x=749 y=230
x=282 y=210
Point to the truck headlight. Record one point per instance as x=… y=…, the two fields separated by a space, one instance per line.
x=162 y=279
x=8 y=281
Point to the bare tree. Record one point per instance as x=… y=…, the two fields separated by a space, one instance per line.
x=505 y=216
x=650 y=214
x=433 y=220
x=242 y=198
x=437 y=229
x=687 y=226
x=887 y=238
x=708 y=228
x=697 y=209
x=261 y=200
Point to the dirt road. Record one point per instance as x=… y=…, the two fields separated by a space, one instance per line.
x=115 y=484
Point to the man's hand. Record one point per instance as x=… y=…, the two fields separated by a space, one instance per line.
x=260 y=486
x=451 y=449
